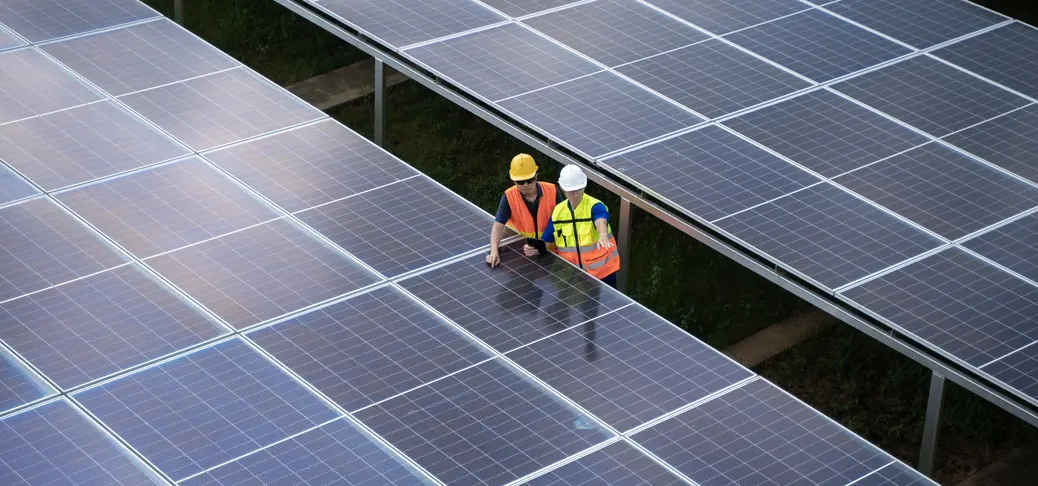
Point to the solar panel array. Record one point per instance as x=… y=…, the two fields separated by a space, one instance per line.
x=207 y=281
x=858 y=144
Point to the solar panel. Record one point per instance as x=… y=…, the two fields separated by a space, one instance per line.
x=629 y=367
x=757 y=434
x=13 y=187
x=8 y=40
x=1010 y=141
x=518 y=8
x=42 y=20
x=955 y=303
x=334 y=453
x=896 y=474
x=501 y=62
x=168 y=207
x=724 y=16
x=711 y=173
x=31 y=84
x=403 y=226
x=1018 y=371
x=827 y=235
x=713 y=78
x=825 y=132
x=42 y=245
x=617 y=463
x=368 y=348
x=942 y=190
x=82 y=144
x=87 y=329
x=920 y=23
x=818 y=45
x=517 y=302
x=399 y=23
x=140 y=56
x=56 y=444
x=1007 y=55
x=220 y=108
x=1014 y=246
x=18 y=384
x=599 y=114
x=614 y=32
x=933 y=96
x=484 y=425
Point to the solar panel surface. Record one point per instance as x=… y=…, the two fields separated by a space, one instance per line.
x=18 y=384
x=919 y=23
x=724 y=16
x=31 y=84
x=13 y=187
x=43 y=20
x=1007 y=55
x=1009 y=141
x=8 y=39
x=617 y=463
x=1014 y=246
x=894 y=475
x=400 y=23
x=1018 y=371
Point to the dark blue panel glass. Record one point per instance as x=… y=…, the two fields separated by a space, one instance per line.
x=1010 y=142
x=930 y=95
x=600 y=113
x=711 y=172
x=168 y=207
x=399 y=23
x=206 y=408
x=18 y=384
x=942 y=190
x=485 y=425
x=86 y=329
x=31 y=84
x=261 y=273
x=758 y=434
x=403 y=226
x=618 y=463
x=956 y=303
x=13 y=187
x=1006 y=55
x=311 y=165
x=723 y=16
x=1018 y=371
x=57 y=444
x=221 y=108
x=713 y=78
x=826 y=132
x=41 y=20
x=1014 y=246
x=920 y=23
x=828 y=235
x=368 y=348
x=517 y=302
x=518 y=8
x=42 y=245
x=83 y=144
x=139 y=57
x=501 y=62
x=818 y=45
x=336 y=453
x=629 y=367
x=616 y=31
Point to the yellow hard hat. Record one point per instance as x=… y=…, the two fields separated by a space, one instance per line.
x=523 y=167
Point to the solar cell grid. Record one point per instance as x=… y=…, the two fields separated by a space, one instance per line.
x=957 y=303
x=1018 y=370
x=42 y=20
x=711 y=173
x=1007 y=55
x=942 y=190
x=1010 y=141
x=519 y=8
x=261 y=273
x=8 y=40
x=42 y=245
x=140 y=56
x=400 y=23
x=401 y=227
x=614 y=32
x=617 y=463
x=828 y=235
x=920 y=23
x=713 y=78
x=18 y=384
x=723 y=16
x=485 y=425
x=599 y=114
x=56 y=444
x=82 y=144
x=168 y=207
x=825 y=132
x=1014 y=246
x=31 y=84
x=205 y=408
x=629 y=367
x=220 y=108
x=13 y=187
x=89 y=328
x=368 y=348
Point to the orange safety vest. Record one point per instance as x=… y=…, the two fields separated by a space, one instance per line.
x=576 y=239
x=521 y=220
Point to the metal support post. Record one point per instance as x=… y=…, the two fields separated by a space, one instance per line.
x=623 y=244
x=380 y=101
x=933 y=421
x=178 y=11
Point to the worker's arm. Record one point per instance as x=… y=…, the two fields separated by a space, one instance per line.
x=600 y=215
x=498 y=231
x=549 y=236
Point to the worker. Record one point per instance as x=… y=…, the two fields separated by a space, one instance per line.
x=579 y=229
x=525 y=207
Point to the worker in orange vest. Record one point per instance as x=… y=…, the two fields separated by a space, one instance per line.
x=579 y=229
x=525 y=207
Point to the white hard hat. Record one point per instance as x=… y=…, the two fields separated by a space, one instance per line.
x=572 y=178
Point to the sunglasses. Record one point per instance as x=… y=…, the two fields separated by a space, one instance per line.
x=527 y=181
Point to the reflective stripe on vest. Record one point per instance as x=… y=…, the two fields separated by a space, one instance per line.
x=521 y=220
x=576 y=239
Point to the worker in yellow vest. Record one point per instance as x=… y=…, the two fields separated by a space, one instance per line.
x=525 y=207
x=579 y=229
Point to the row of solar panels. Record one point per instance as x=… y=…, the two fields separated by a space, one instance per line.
x=882 y=150
x=195 y=263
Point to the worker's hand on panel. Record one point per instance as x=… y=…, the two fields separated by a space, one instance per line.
x=603 y=242
x=530 y=251
x=493 y=259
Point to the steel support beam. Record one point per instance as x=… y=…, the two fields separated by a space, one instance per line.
x=623 y=243
x=178 y=11
x=380 y=102
x=932 y=424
